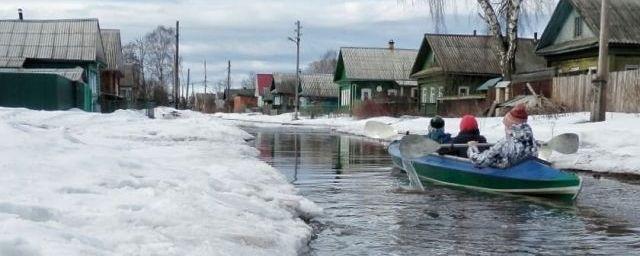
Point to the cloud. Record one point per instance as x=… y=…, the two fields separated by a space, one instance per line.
x=253 y=33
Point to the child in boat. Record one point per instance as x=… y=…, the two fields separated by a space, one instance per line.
x=518 y=145
x=436 y=131
x=468 y=132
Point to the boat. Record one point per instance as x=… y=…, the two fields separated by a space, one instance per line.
x=533 y=177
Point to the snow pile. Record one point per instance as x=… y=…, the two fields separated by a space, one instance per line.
x=610 y=146
x=76 y=183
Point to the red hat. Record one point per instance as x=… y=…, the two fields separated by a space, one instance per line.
x=468 y=123
x=517 y=115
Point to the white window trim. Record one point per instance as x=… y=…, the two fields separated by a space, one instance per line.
x=363 y=90
x=433 y=94
x=631 y=67
x=394 y=91
x=424 y=95
x=466 y=88
x=414 y=92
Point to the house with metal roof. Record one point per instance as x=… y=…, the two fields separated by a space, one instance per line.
x=263 y=89
x=570 y=40
x=53 y=47
x=283 y=92
x=318 y=94
x=113 y=72
x=381 y=75
x=450 y=70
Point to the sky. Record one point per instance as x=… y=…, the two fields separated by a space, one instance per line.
x=253 y=34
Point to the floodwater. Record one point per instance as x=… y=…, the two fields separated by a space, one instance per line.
x=369 y=210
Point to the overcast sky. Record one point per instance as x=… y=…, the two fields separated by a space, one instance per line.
x=253 y=33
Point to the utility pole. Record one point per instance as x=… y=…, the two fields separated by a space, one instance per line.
x=188 y=81
x=205 y=77
x=176 y=81
x=228 y=92
x=599 y=108
x=296 y=40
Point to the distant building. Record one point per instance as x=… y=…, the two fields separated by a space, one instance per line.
x=381 y=75
x=263 y=85
x=283 y=91
x=242 y=100
x=452 y=69
x=130 y=87
x=37 y=56
x=111 y=75
x=319 y=94
x=570 y=40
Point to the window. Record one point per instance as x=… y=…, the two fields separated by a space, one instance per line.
x=345 y=98
x=463 y=91
x=440 y=91
x=365 y=94
x=277 y=100
x=577 y=27
x=424 y=95
x=392 y=92
x=574 y=69
x=631 y=67
x=414 y=92
x=433 y=93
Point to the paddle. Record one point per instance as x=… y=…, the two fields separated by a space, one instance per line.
x=416 y=146
x=379 y=130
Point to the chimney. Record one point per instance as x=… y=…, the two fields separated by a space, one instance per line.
x=20 y=13
x=475 y=33
x=392 y=44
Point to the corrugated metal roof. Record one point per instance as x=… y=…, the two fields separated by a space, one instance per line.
x=319 y=85
x=624 y=24
x=284 y=83
x=73 y=74
x=77 y=39
x=113 y=49
x=377 y=63
x=469 y=54
x=11 y=62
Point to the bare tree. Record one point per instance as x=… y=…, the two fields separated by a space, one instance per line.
x=325 y=65
x=159 y=54
x=499 y=14
x=250 y=81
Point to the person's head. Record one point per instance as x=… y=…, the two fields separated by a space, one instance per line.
x=468 y=123
x=517 y=115
x=436 y=123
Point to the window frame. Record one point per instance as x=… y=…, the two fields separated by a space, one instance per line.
x=467 y=90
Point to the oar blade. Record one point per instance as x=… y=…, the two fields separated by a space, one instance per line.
x=378 y=130
x=566 y=143
x=416 y=146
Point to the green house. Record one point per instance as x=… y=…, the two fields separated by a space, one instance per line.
x=570 y=40
x=318 y=94
x=31 y=48
x=283 y=93
x=380 y=75
x=451 y=68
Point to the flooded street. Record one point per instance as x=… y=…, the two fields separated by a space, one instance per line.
x=369 y=211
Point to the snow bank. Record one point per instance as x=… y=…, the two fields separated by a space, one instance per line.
x=610 y=146
x=76 y=183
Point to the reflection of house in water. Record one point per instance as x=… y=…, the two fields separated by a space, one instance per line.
x=358 y=152
x=264 y=144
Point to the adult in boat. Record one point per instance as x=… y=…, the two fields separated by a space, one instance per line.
x=518 y=145
x=468 y=132
x=436 y=131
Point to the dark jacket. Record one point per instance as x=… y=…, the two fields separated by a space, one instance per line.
x=463 y=138
x=516 y=147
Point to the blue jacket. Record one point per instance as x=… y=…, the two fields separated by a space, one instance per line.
x=438 y=135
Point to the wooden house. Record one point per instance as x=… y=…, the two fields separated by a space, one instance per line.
x=451 y=68
x=263 y=88
x=319 y=94
x=58 y=46
x=130 y=87
x=283 y=92
x=381 y=75
x=570 y=40
x=111 y=75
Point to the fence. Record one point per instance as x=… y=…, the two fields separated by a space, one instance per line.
x=575 y=92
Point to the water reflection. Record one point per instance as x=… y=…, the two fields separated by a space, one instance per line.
x=367 y=212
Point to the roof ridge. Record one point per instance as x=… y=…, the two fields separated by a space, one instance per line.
x=49 y=20
x=470 y=35
x=377 y=48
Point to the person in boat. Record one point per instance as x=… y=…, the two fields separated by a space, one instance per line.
x=468 y=132
x=436 y=131
x=517 y=146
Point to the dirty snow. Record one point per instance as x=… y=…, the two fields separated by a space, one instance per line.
x=76 y=183
x=611 y=146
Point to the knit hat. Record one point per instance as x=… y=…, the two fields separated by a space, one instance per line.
x=517 y=115
x=437 y=122
x=468 y=123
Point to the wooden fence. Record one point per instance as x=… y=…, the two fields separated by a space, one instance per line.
x=576 y=92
